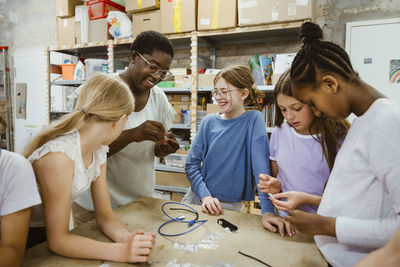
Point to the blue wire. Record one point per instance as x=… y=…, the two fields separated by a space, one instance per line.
x=190 y=223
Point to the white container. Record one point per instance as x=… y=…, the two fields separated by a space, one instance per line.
x=176 y=160
x=94 y=65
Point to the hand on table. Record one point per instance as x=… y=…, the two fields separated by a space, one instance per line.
x=139 y=246
x=269 y=184
x=211 y=205
x=294 y=200
x=270 y=220
x=312 y=223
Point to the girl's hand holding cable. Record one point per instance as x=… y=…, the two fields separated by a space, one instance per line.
x=211 y=205
x=139 y=247
x=269 y=184
x=294 y=199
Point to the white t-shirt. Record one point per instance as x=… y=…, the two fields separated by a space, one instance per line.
x=363 y=191
x=130 y=172
x=18 y=188
x=70 y=145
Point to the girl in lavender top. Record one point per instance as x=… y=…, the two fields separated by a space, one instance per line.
x=302 y=151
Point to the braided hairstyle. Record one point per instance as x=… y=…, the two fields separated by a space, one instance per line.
x=317 y=56
x=329 y=131
x=240 y=77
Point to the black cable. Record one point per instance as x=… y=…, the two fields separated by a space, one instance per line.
x=251 y=257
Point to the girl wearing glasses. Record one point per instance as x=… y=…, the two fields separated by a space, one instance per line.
x=130 y=171
x=231 y=149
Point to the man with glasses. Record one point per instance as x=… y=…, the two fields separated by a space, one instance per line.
x=130 y=164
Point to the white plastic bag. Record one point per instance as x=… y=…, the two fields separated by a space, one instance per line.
x=121 y=25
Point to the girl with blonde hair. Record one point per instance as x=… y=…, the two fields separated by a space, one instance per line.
x=70 y=156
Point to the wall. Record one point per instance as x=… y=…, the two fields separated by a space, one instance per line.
x=27 y=27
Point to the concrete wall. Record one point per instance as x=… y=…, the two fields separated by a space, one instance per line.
x=28 y=26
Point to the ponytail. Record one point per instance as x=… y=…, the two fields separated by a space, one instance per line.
x=67 y=124
x=240 y=77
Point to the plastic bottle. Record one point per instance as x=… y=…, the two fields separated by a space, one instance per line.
x=78 y=71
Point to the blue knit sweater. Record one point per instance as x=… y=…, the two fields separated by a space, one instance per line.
x=227 y=156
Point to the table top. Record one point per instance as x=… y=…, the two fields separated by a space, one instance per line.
x=209 y=244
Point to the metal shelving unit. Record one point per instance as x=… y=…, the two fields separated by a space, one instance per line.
x=7 y=139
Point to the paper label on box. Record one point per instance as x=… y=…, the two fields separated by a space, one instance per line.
x=302 y=2
x=247 y=4
x=291 y=9
x=205 y=21
x=274 y=14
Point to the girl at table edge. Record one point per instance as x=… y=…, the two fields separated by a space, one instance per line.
x=360 y=207
x=70 y=156
x=18 y=192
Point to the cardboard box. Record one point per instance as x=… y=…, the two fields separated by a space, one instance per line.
x=98 y=31
x=177 y=197
x=66 y=31
x=172 y=179
x=183 y=81
x=178 y=16
x=205 y=80
x=134 y=6
x=66 y=8
x=212 y=108
x=252 y=12
x=216 y=14
x=145 y=21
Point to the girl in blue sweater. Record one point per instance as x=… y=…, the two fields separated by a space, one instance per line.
x=230 y=149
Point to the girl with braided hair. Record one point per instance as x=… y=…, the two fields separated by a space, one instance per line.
x=70 y=156
x=230 y=149
x=360 y=207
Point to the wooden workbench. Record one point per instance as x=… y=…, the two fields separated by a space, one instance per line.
x=146 y=214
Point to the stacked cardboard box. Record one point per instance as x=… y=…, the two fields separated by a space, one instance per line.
x=216 y=14
x=253 y=12
x=146 y=15
x=65 y=11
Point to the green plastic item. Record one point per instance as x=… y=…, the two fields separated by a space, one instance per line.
x=119 y=2
x=166 y=84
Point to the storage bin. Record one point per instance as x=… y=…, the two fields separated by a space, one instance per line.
x=94 y=65
x=67 y=71
x=175 y=160
x=98 y=9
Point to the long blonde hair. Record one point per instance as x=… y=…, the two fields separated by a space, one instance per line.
x=240 y=77
x=103 y=97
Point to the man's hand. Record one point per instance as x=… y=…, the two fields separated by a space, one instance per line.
x=166 y=146
x=312 y=223
x=211 y=205
x=269 y=184
x=149 y=130
x=269 y=221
